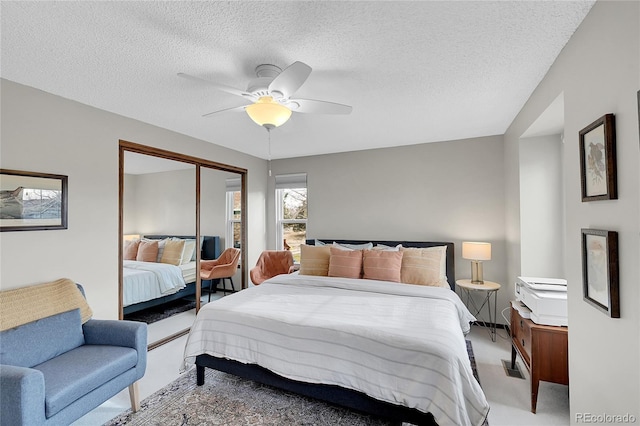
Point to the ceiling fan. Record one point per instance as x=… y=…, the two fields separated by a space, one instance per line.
x=270 y=94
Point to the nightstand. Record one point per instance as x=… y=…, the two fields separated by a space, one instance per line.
x=544 y=350
x=491 y=289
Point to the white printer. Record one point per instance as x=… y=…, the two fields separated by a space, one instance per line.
x=545 y=297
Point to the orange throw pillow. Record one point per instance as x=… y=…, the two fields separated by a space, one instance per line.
x=345 y=263
x=147 y=251
x=131 y=249
x=382 y=265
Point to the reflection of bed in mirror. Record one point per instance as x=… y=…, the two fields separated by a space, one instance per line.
x=153 y=283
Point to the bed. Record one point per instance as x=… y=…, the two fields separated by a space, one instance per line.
x=149 y=284
x=389 y=349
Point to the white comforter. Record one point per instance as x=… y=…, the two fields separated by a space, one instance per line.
x=144 y=281
x=398 y=343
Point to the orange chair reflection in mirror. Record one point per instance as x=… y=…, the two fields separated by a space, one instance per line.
x=223 y=268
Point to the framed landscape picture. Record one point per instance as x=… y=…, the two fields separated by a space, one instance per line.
x=32 y=201
x=598 y=160
x=600 y=270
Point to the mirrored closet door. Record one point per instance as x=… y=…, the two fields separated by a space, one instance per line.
x=177 y=214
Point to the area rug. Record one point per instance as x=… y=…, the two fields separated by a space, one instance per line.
x=157 y=313
x=225 y=399
x=472 y=359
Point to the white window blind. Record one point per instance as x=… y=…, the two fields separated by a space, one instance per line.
x=291 y=181
x=234 y=184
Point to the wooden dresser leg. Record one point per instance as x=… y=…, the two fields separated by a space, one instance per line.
x=535 y=384
x=513 y=357
x=134 y=397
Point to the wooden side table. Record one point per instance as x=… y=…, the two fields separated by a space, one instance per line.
x=544 y=350
x=491 y=289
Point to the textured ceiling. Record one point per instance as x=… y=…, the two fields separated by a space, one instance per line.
x=414 y=72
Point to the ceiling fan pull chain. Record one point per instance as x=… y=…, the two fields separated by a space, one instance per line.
x=269 y=153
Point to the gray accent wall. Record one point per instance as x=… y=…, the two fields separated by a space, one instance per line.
x=445 y=191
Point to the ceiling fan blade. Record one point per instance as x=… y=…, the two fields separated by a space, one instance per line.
x=290 y=80
x=218 y=86
x=319 y=107
x=233 y=109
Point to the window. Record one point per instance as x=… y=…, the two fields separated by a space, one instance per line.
x=234 y=209
x=291 y=212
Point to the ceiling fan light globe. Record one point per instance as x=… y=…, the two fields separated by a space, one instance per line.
x=266 y=112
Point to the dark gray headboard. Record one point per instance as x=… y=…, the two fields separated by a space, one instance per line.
x=451 y=270
x=210 y=244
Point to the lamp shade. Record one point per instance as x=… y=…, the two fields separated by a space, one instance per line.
x=268 y=113
x=476 y=251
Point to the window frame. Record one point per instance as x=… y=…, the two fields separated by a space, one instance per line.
x=229 y=230
x=283 y=183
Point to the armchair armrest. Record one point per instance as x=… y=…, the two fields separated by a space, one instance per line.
x=22 y=396
x=131 y=334
x=208 y=264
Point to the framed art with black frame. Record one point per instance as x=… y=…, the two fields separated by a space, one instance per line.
x=32 y=201
x=598 y=160
x=600 y=270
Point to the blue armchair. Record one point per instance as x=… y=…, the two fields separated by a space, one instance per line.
x=55 y=370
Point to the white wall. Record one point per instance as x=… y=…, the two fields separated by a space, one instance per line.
x=45 y=133
x=165 y=203
x=451 y=191
x=599 y=73
x=129 y=212
x=541 y=207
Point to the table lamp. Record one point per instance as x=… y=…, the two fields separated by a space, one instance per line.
x=476 y=252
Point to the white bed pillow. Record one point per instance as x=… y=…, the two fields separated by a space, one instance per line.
x=345 y=246
x=387 y=248
x=193 y=256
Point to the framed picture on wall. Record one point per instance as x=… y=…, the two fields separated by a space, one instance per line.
x=598 y=160
x=600 y=270
x=32 y=201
